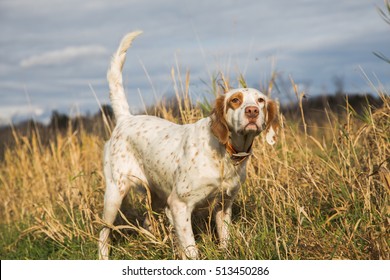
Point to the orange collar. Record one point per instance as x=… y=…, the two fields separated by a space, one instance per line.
x=236 y=157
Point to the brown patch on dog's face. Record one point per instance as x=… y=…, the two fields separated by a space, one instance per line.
x=235 y=101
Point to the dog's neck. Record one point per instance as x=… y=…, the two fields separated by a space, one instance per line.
x=241 y=143
x=239 y=148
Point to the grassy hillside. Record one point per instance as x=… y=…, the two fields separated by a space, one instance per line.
x=321 y=193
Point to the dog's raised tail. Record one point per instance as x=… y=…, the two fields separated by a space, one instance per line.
x=114 y=76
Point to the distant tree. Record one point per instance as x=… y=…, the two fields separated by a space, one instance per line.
x=59 y=121
x=385 y=14
x=108 y=111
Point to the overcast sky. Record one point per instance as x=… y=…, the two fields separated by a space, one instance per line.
x=54 y=53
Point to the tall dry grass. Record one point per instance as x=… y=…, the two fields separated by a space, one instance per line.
x=321 y=193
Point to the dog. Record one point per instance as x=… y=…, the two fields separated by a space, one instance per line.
x=184 y=166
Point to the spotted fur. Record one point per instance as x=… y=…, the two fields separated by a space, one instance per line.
x=184 y=166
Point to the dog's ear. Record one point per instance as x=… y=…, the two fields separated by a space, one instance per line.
x=218 y=124
x=272 y=123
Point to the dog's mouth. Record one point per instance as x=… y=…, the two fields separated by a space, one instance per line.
x=251 y=127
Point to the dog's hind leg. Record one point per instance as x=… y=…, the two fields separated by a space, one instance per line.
x=121 y=175
x=112 y=203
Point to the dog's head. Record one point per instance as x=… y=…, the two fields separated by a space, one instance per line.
x=244 y=111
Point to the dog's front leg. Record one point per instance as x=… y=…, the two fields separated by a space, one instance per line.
x=179 y=214
x=223 y=217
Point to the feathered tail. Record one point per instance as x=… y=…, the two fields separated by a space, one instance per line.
x=114 y=76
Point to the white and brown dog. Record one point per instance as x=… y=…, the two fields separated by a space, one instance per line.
x=184 y=166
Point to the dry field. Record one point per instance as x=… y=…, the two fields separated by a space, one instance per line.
x=321 y=193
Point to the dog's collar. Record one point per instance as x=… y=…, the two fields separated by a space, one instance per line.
x=237 y=157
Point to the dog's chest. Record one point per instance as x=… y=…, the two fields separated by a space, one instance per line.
x=232 y=179
x=213 y=183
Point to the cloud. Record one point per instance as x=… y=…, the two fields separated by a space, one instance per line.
x=311 y=42
x=63 y=56
x=14 y=114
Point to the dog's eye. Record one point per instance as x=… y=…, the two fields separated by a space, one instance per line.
x=260 y=100
x=235 y=100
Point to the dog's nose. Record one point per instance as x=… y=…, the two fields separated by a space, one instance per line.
x=251 y=111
